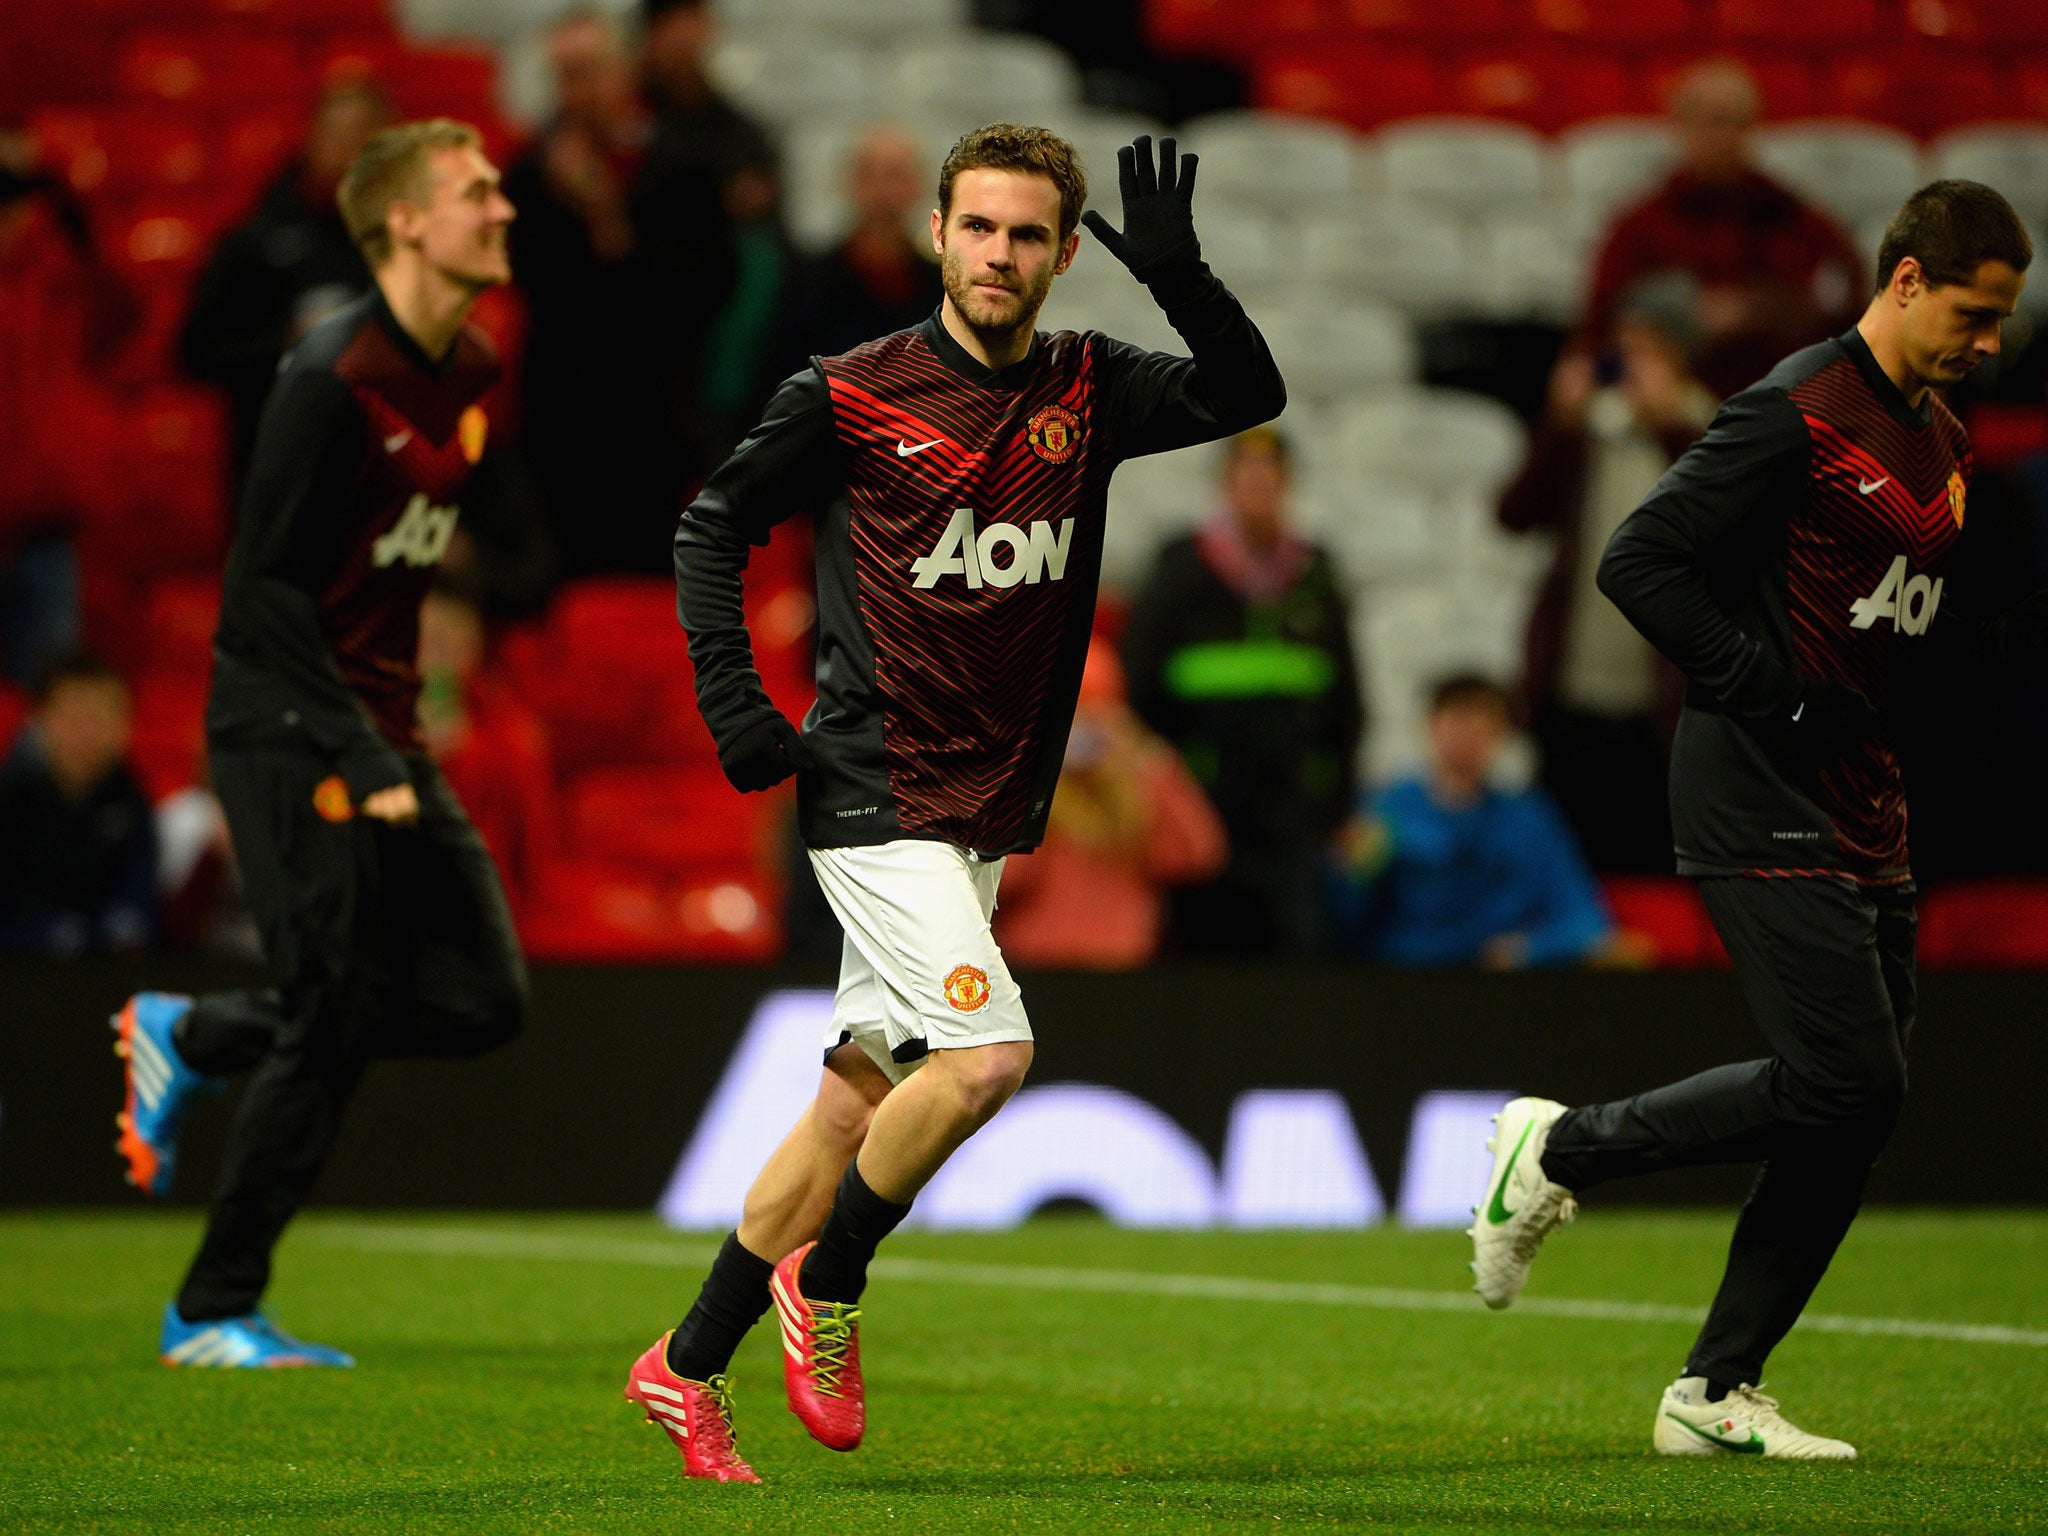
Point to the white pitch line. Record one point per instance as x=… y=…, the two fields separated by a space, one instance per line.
x=479 y=1242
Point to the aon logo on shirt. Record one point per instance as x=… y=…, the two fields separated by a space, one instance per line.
x=1909 y=604
x=419 y=537
x=1035 y=553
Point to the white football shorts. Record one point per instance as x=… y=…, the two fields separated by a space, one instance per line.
x=920 y=970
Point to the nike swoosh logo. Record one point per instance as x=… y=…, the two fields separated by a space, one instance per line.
x=1867 y=486
x=1496 y=1212
x=1799 y=711
x=905 y=450
x=397 y=440
x=1753 y=1446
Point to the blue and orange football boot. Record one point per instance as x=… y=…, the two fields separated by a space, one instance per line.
x=820 y=1358
x=697 y=1416
x=160 y=1088
x=251 y=1341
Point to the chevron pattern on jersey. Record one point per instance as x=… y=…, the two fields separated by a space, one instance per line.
x=1878 y=492
x=977 y=662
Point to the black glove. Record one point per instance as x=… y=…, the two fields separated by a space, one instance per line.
x=1830 y=715
x=764 y=754
x=1158 y=236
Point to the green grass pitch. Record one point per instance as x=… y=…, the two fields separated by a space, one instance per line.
x=1067 y=1377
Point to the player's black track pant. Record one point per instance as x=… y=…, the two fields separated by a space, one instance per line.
x=1827 y=968
x=382 y=941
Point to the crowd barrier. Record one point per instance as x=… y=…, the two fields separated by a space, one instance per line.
x=1190 y=1095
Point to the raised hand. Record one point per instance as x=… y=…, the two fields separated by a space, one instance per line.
x=1158 y=236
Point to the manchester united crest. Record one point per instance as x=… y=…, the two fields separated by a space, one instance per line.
x=1054 y=433
x=967 y=989
x=330 y=799
x=1955 y=496
x=472 y=430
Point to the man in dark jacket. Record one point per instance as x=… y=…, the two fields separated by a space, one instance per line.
x=77 y=843
x=285 y=268
x=1239 y=652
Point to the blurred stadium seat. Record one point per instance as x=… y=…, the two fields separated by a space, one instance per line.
x=1609 y=163
x=1855 y=170
x=1260 y=159
x=1469 y=166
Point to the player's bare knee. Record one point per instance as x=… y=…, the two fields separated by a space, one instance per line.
x=985 y=1076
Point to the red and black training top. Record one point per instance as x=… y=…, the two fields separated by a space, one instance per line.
x=362 y=449
x=960 y=519
x=1807 y=534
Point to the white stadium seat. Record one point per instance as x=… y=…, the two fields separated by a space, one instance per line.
x=981 y=77
x=789 y=77
x=1267 y=159
x=2013 y=157
x=1447 y=440
x=1470 y=164
x=1332 y=349
x=881 y=20
x=1532 y=268
x=1413 y=255
x=1857 y=171
x=1612 y=162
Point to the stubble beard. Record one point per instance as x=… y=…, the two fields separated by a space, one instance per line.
x=1016 y=311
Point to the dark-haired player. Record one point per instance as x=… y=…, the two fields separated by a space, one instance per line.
x=383 y=921
x=1792 y=564
x=958 y=474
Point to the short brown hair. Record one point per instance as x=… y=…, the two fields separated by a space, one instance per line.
x=1952 y=228
x=1013 y=147
x=392 y=167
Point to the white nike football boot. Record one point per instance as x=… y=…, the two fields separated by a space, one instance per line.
x=1744 y=1423
x=1522 y=1206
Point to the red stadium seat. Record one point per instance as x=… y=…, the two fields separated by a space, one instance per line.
x=210 y=69
x=1543 y=89
x=1438 y=23
x=1231 y=28
x=2014 y=24
x=593 y=910
x=610 y=673
x=72 y=143
x=1610 y=23
x=1361 y=85
x=1668 y=912
x=153 y=153
x=671 y=819
x=169 y=748
x=302 y=16
x=253 y=147
x=179 y=615
x=1812 y=23
x=1985 y=923
x=2030 y=88
x=162 y=473
x=1920 y=88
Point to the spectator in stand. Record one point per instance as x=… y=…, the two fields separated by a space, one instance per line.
x=77 y=841
x=285 y=268
x=1128 y=821
x=880 y=278
x=1446 y=868
x=593 y=413
x=63 y=316
x=491 y=747
x=1599 y=698
x=1239 y=652
x=1775 y=273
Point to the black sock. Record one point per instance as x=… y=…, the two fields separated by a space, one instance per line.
x=837 y=1269
x=1716 y=1390
x=223 y=1033
x=735 y=1295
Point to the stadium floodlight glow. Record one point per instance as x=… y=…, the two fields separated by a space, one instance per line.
x=1292 y=1158
x=1448 y=1164
x=772 y=1077
x=1074 y=1141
